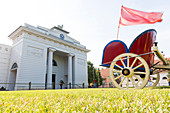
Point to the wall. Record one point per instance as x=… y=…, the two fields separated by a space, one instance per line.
x=16 y=54
x=163 y=82
x=33 y=63
x=5 y=52
x=80 y=67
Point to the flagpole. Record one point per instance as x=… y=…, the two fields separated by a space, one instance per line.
x=117 y=32
x=119 y=24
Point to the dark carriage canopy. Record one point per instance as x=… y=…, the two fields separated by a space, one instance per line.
x=140 y=45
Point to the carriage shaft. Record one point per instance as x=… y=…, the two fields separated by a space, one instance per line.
x=166 y=67
x=160 y=56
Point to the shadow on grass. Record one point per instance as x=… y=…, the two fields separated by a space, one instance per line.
x=161 y=87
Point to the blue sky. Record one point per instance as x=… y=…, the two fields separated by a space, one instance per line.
x=92 y=22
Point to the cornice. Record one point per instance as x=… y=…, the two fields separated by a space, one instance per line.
x=23 y=29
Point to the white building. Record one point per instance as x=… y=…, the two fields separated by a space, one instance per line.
x=41 y=55
x=5 y=53
x=163 y=79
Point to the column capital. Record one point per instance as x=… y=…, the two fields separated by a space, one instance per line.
x=70 y=54
x=51 y=49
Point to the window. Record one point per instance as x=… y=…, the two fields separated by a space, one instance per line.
x=136 y=79
x=14 y=66
x=164 y=78
x=6 y=49
x=54 y=63
x=110 y=84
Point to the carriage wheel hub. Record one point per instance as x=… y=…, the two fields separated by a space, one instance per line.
x=127 y=72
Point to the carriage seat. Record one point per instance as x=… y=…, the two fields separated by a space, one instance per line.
x=140 y=45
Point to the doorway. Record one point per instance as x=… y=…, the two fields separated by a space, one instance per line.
x=53 y=81
x=12 y=77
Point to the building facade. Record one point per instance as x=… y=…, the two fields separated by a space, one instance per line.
x=42 y=55
x=107 y=82
x=5 y=53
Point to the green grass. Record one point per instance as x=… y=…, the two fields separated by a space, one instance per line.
x=86 y=100
x=162 y=87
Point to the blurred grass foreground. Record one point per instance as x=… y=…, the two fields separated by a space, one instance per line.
x=86 y=100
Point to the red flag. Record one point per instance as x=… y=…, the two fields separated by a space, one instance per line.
x=135 y=17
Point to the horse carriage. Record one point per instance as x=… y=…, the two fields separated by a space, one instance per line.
x=134 y=66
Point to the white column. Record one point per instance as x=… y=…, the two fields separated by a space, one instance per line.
x=50 y=67
x=70 y=76
x=74 y=69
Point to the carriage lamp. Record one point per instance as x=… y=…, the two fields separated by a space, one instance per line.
x=155 y=43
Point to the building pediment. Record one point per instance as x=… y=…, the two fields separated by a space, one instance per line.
x=56 y=34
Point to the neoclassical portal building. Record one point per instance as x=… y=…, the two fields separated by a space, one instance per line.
x=42 y=55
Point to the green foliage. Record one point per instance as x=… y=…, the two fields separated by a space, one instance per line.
x=93 y=73
x=86 y=100
x=90 y=72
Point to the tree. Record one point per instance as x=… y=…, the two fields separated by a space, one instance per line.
x=168 y=70
x=90 y=72
x=99 y=78
x=93 y=74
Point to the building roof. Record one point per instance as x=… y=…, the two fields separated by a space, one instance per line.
x=55 y=34
x=60 y=29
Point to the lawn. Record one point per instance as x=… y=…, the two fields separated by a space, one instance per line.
x=86 y=100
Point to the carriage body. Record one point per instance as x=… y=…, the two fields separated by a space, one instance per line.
x=127 y=62
x=140 y=45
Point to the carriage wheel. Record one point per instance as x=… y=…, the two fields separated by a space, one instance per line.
x=125 y=74
x=153 y=79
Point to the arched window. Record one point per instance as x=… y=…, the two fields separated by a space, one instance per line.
x=136 y=79
x=54 y=63
x=164 y=78
x=14 y=66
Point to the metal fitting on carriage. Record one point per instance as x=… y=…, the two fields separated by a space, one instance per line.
x=155 y=43
x=154 y=48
